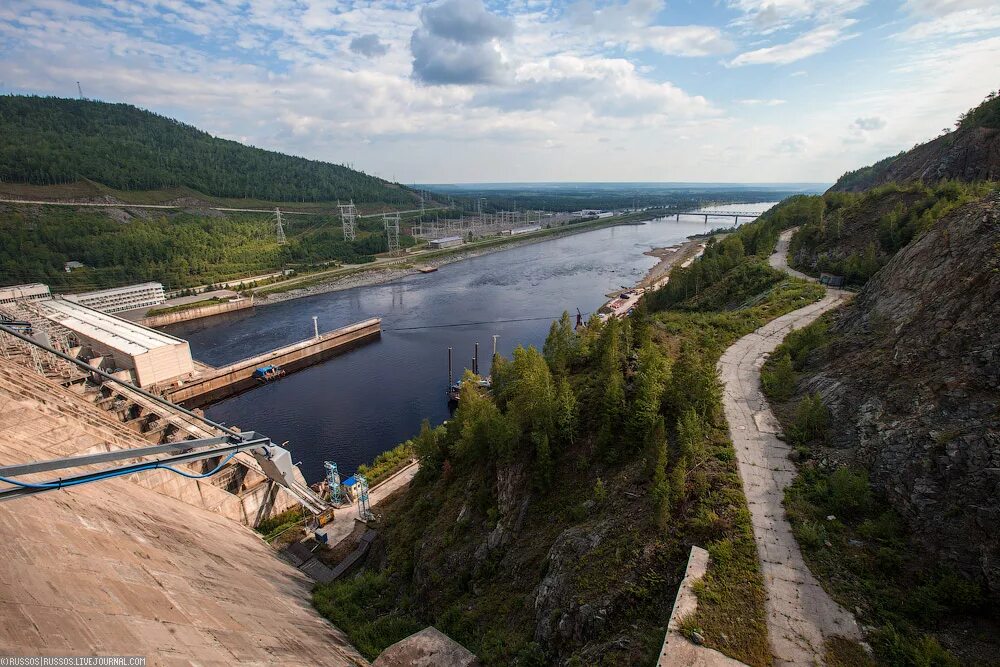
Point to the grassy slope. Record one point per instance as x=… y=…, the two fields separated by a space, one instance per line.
x=637 y=561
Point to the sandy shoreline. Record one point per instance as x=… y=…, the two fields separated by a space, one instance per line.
x=669 y=257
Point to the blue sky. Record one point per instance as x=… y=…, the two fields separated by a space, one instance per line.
x=529 y=90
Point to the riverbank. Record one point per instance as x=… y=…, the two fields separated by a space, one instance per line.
x=669 y=257
x=389 y=270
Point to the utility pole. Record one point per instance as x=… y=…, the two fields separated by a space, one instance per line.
x=315 y=327
x=79 y=89
x=278 y=227
x=495 y=336
x=348 y=213
x=391 y=222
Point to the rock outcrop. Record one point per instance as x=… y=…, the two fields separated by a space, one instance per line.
x=428 y=648
x=970 y=154
x=913 y=381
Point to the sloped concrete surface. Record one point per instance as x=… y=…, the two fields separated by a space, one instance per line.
x=113 y=568
x=677 y=651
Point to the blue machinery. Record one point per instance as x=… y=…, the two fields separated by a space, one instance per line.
x=275 y=462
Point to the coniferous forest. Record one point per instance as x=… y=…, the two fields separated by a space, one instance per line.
x=51 y=141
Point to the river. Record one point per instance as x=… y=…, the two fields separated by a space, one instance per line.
x=356 y=405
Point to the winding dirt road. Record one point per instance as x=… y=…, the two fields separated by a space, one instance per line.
x=800 y=614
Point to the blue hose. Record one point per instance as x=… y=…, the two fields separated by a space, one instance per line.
x=115 y=473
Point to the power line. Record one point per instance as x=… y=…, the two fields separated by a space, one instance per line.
x=471 y=324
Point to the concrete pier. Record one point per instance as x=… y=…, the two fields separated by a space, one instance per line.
x=197 y=313
x=213 y=384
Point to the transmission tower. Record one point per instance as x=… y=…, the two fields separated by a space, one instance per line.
x=364 y=508
x=278 y=227
x=333 y=481
x=391 y=221
x=348 y=213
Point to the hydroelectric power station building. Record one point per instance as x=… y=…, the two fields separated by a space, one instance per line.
x=152 y=357
x=29 y=292
x=120 y=299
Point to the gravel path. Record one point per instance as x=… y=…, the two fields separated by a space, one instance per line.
x=800 y=614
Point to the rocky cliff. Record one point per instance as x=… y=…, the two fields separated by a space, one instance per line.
x=912 y=379
x=970 y=153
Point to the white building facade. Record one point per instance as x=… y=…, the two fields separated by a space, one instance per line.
x=30 y=292
x=152 y=357
x=120 y=299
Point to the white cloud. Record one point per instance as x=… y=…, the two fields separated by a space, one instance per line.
x=632 y=24
x=457 y=42
x=807 y=44
x=753 y=102
x=868 y=124
x=950 y=18
x=689 y=40
x=767 y=16
x=792 y=145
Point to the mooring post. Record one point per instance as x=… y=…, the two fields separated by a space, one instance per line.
x=315 y=327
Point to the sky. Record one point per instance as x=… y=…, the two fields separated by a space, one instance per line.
x=459 y=91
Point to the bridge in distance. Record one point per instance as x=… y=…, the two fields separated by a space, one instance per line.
x=735 y=215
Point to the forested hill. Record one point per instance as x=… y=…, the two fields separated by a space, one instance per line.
x=969 y=153
x=49 y=141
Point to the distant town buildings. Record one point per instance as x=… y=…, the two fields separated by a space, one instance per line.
x=120 y=299
x=593 y=213
x=29 y=292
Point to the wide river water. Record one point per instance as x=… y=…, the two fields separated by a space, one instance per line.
x=356 y=405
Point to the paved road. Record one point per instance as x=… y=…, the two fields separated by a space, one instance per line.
x=779 y=259
x=800 y=614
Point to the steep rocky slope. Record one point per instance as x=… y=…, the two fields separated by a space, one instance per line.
x=970 y=153
x=912 y=380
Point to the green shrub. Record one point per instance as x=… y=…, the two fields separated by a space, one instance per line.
x=778 y=378
x=810 y=534
x=279 y=522
x=850 y=494
x=600 y=493
x=885 y=527
x=907 y=650
x=812 y=419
